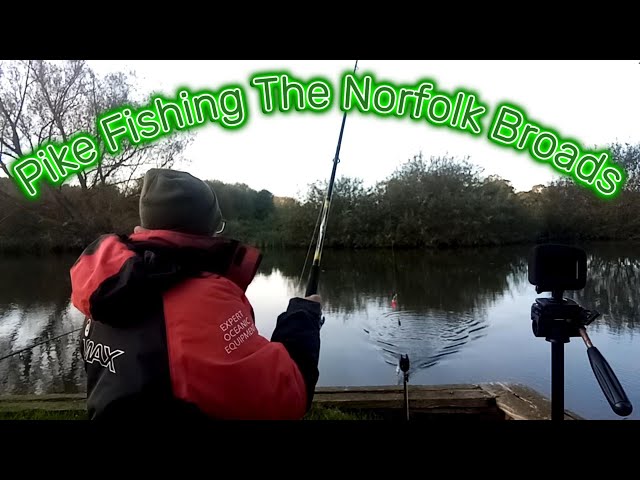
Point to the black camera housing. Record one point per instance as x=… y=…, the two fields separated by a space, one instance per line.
x=554 y=267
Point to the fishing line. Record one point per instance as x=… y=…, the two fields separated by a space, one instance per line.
x=40 y=343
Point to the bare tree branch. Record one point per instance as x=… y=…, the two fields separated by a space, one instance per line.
x=24 y=92
x=14 y=133
x=44 y=101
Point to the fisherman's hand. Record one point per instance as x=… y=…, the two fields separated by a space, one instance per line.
x=314 y=298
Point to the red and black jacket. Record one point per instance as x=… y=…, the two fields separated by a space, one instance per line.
x=170 y=332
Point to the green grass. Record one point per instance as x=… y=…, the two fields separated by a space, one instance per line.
x=43 y=415
x=316 y=413
x=330 y=413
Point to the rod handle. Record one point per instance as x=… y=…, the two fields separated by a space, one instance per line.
x=314 y=279
x=609 y=383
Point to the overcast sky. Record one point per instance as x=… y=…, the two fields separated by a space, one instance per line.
x=594 y=102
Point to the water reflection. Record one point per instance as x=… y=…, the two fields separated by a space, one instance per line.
x=612 y=287
x=448 y=280
x=442 y=296
x=457 y=313
x=35 y=308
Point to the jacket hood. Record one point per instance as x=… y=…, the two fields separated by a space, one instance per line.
x=120 y=272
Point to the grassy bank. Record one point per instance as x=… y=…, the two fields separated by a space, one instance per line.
x=44 y=415
x=316 y=413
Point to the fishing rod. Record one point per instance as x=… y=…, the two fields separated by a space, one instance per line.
x=40 y=343
x=314 y=274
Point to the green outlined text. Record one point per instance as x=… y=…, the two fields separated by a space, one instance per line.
x=279 y=92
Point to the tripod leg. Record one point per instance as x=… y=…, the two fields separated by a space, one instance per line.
x=557 y=380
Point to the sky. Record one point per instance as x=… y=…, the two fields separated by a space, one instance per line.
x=594 y=102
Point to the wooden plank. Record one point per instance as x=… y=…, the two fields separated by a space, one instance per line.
x=421 y=398
x=399 y=388
x=397 y=402
x=519 y=402
x=319 y=390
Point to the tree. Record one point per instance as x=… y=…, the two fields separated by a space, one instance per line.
x=264 y=204
x=628 y=157
x=44 y=101
x=50 y=101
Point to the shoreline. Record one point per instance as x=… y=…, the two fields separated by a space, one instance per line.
x=494 y=401
x=59 y=251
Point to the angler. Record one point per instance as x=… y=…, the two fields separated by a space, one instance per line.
x=169 y=331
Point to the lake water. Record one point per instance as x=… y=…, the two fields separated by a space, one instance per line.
x=462 y=316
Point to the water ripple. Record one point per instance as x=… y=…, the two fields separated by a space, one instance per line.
x=425 y=337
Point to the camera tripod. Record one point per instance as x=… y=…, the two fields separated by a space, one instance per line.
x=557 y=319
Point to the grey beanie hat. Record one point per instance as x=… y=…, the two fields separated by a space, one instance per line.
x=174 y=200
